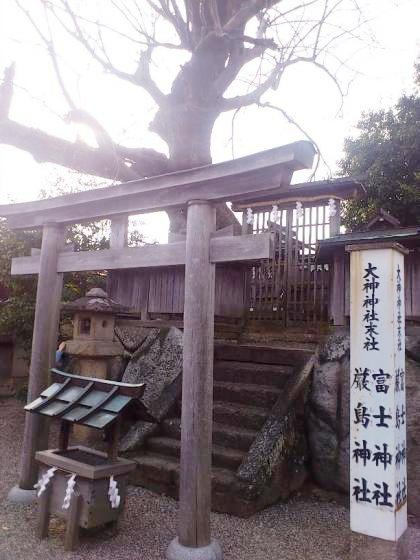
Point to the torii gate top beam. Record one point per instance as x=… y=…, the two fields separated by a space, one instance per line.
x=266 y=172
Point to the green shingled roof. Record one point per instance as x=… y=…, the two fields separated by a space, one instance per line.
x=91 y=402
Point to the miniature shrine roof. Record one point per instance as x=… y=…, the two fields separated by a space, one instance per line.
x=95 y=300
x=409 y=237
x=91 y=402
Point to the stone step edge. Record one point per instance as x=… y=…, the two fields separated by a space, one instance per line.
x=220 y=427
x=216 y=449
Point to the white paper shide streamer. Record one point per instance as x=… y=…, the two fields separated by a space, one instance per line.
x=249 y=216
x=69 y=491
x=299 y=209
x=332 y=207
x=42 y=483
x=275 y=213
x=113 y=494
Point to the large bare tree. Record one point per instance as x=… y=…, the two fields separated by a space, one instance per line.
x=238 y=50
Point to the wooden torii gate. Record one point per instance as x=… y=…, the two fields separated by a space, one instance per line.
x=266 y=172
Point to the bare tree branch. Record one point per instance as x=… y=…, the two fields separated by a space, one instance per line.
x=49 y=43
x=272 y=81
x=109 y=160
x=6 y=91
x=139 y=78
x=248 y=10
x=292 y=121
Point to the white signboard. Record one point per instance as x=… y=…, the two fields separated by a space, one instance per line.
x=378 y=456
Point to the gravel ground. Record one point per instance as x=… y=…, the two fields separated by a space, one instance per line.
x=309 y=527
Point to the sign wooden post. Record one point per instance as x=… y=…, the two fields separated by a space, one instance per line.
x=378 y=457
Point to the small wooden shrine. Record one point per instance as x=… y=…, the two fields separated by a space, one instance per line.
x=84 y=486
x=382 y=228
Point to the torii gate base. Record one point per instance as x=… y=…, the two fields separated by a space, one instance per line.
x=178 y=552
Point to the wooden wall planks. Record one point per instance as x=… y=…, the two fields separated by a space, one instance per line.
x=162 y=290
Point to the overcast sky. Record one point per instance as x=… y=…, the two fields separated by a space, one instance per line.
x=384 y=71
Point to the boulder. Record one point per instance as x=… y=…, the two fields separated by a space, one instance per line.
x=158 y=363
x=328 y=422
x=132 y=337
x=413 y=435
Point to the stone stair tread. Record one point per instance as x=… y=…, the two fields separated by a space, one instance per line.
x=273 y=375
x=252 y=353
x=254 y=366
x=175 y=445
x=218 y=426
x=240 y=415
x=172 y=464
x=236 y=437
x=238 y=385
x=167 y=462
x=254 y=394
x=243 y=408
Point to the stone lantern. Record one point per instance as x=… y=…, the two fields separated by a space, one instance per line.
x=94 y=345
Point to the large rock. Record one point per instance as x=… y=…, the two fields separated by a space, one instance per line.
x=413 y=434
x=132 y=337
x=328 y=410
x=158 y=363
x=328 y=422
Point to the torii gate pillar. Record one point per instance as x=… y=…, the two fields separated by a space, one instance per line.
x=47 y=313
x=194 y=538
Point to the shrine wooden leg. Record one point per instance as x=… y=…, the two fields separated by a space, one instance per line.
x=44 y=513
x=71 y=540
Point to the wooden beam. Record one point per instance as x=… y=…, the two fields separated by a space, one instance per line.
x=269 y=172
x=241 y=248
x=222 y=249
x=108 y=259
x=224 y=232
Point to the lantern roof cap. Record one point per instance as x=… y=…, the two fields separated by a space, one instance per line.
x=96 y=300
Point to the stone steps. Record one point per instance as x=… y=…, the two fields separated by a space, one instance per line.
x=256 y=354
x=221 y=456
x=245 y=391
x=251 y=372
x=239 y=415
x=162 y=469
x=223 y=434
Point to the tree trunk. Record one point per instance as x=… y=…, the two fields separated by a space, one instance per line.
x=187 y=129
